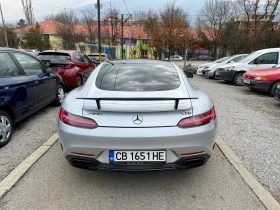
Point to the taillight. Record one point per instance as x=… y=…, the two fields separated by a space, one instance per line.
x=198 y=120
x=74 y=120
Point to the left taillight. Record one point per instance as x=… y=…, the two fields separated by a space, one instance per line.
x=198 y=120
x=77 y=121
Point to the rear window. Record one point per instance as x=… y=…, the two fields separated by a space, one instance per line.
x=96 y=57
x=55 y=58
x=137 y=77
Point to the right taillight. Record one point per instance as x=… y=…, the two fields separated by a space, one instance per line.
x=198 y=120
x=77 y=121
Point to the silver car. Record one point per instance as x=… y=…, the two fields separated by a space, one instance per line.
x=137 y=115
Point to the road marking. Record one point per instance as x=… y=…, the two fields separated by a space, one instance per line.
x=10 y=181
x=264 y=195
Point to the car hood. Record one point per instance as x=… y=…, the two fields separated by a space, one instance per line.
x=264 y=72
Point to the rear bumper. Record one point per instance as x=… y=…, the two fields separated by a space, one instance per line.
x=225 y=75
x=174 y=140
x=93 y=164
x=258 y=85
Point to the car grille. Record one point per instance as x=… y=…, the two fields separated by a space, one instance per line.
x=249 y=77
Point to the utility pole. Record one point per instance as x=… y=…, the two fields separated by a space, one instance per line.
x=99 y=31
x=4 y=27
x=122 y=22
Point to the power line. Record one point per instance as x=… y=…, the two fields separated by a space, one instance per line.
x=126 y=7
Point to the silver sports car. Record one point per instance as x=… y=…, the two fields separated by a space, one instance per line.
x=137 y=115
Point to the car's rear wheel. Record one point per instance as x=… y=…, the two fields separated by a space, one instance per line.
x=237 y=80
x=79 y=81
x=273 y=89
x=6 y=128
x=60 y=95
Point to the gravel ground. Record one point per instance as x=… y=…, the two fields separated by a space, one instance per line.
x=28 y=135
x=249 y=121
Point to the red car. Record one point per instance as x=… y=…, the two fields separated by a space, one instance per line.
x=263 y=80
x=73 y=66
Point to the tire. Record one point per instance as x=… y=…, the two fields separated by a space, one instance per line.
x=60 y=95
x=273 y=88
x=6 y=128
x=237 y=79
x=79 y=81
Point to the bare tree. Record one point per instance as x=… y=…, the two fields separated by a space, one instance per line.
x=66 y=27
x=89 y=19
x=214 y=15
x=28 y=11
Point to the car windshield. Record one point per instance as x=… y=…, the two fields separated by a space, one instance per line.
x=138 y=77
x=55 y=57
x=249 y=57
x=96 y=57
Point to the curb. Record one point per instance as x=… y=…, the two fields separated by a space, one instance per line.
x=264 y=195
x=10 y=181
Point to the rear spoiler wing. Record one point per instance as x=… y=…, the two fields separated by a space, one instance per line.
x=137 y=99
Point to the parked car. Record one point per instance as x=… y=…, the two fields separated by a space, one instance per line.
x=265 y=80
x=203 y=58
x=94 y=57
x=211 y=70
x=201 y=67
x=72 y=66
x=111 y=123
x=26 y=85
x=175 y=58
x=260 y=59
x=277 y=93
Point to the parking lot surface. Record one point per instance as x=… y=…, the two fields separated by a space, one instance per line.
x=249 y=123
x=28 y=136
x=53 y=184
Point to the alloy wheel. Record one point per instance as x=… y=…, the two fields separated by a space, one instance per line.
x=5 y=128
x=60 y=94
x=79 y=81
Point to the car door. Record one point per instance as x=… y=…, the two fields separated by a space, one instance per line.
x=44 y=86
x=15 y=88
x=264 y=61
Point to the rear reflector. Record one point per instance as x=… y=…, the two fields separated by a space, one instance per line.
x=77 y=121
x=192 y=153
x=83 y=154
x=198 y=120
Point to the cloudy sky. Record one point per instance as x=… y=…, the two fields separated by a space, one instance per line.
x=12 y=9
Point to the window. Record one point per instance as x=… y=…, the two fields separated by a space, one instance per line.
x=85 y=58
x=268 y=58
x=55 y=57
x=78 y=57
x=144 y=42
x=138 y=77
x=7 y=66
x=29 y=64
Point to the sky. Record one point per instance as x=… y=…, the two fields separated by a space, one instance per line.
x=12 y=9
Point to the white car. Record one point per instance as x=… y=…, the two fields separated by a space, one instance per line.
x=201 y=67
x=261 y=59
x=175 y=58
x=211 y=70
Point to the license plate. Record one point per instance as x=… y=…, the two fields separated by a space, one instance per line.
x=246 y=81
x=137 y=156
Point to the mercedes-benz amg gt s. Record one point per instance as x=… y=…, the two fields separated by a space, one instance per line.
x=137 y=115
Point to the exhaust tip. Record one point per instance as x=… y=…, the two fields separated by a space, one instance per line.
x=81 y=163
x=194 y=162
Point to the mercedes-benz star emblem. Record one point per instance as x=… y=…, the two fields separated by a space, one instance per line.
x=137 y=119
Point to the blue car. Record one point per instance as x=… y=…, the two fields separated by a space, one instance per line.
x=26 y=85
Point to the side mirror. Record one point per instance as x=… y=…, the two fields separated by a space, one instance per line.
x=87 y=74
x=188 y=74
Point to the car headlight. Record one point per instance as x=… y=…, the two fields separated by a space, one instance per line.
x=205 y=67
x=260 y=78
x=229 y=68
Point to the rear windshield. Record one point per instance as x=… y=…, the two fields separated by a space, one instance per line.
x=55 y=58
x=138 y=77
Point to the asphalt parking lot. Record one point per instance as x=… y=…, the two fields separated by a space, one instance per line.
x=248 y=122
